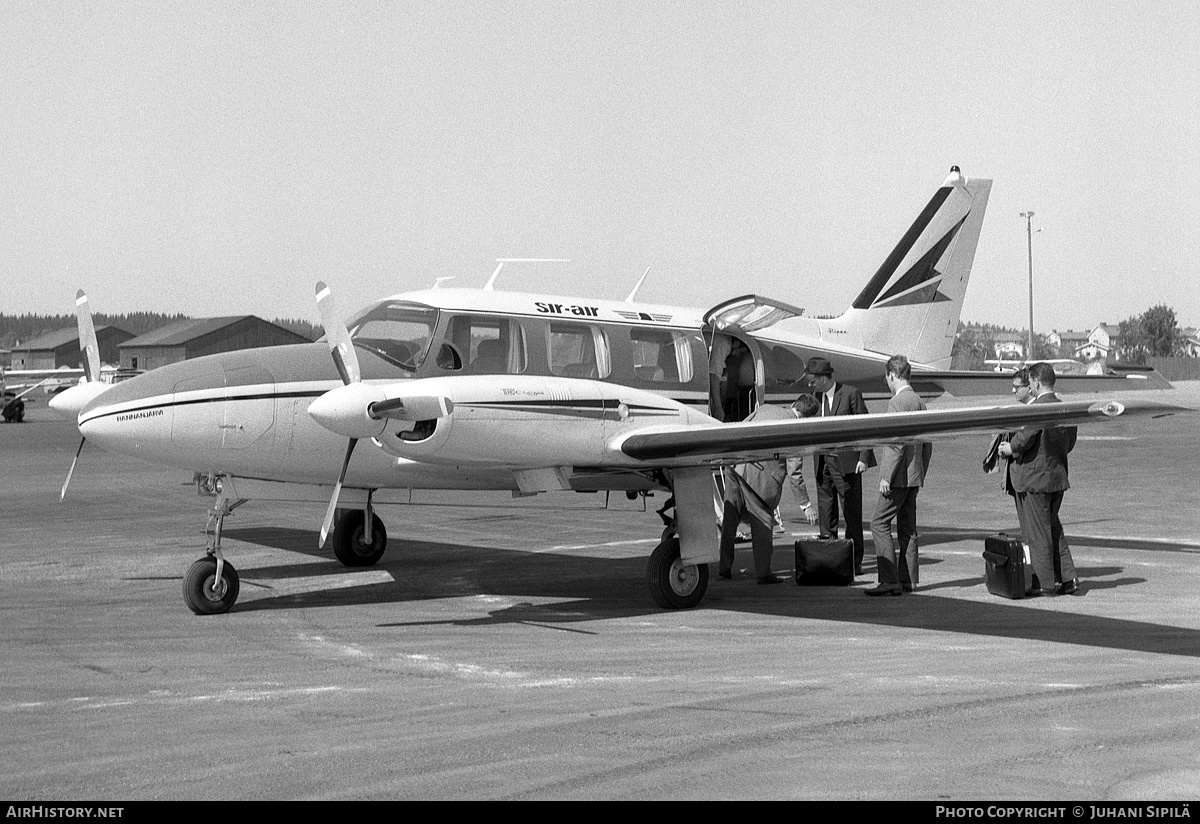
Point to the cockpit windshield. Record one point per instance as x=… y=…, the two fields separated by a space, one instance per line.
x=399 y=333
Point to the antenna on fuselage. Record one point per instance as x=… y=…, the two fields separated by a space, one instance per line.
x=641 y=280
x=487 y=287
x=438 y=281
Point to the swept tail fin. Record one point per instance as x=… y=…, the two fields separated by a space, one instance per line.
x=913 y=303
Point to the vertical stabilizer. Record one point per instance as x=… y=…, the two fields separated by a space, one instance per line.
x=913 y=303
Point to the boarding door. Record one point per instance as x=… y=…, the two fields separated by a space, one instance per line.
x=737 y=382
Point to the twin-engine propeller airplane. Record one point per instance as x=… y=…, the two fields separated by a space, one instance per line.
x=478 y=389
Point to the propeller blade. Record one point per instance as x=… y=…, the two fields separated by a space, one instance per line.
x=340 y=345
x=63 y=495
x=88 y=346
x=337 y=491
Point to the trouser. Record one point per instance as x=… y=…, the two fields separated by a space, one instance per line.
x=761 y=537
x=828 y=499
x=899 y=505
x=1043 y=531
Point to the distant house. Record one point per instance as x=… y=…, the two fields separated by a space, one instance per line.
x=1008 y=345
x=61 y=349
x=1069 y=342
x=186 y=339
x=1100 y=344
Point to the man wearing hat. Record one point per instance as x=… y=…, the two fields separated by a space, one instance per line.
x=839 y=399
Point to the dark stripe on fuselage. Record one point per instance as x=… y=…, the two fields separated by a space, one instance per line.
x=194 y=401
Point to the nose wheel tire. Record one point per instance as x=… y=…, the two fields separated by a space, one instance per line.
x=204 y=594
x=348 y=543
x=674 y=584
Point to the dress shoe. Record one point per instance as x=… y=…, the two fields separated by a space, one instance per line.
x=884 y=589
x=1036 y=592
x=723 y=574
x=770 y=579
x=1067 y=587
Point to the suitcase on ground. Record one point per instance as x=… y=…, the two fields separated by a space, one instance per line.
x=1006 y=568
x=828 y=562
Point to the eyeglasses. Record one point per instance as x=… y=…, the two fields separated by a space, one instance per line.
x=1019 y=386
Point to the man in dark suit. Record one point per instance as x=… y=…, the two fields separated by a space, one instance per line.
x=901 y=475
x=839 y=399
x=1039 y=478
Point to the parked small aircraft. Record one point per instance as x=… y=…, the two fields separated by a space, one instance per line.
x=479 y=389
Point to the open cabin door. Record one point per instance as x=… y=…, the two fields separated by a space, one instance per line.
x=737 y=377
x=735 y=391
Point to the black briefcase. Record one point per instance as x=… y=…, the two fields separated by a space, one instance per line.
x=824 y=563
x=1005 y=569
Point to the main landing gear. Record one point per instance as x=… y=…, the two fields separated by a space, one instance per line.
x=357 y=540
x=674 y=584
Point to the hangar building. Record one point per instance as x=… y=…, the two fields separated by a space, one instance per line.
x=186 y=339
x=61 y=348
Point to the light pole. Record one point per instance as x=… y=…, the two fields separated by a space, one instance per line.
x=1029 y=231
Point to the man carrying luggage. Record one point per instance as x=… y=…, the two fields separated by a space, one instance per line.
x=1039 y=478
x=839 y=399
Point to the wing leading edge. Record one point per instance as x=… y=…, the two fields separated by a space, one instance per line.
x=729 y=443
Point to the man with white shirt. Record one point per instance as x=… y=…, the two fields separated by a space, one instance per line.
x=839 y=399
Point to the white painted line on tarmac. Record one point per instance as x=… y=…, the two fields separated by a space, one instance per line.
x=598 y=546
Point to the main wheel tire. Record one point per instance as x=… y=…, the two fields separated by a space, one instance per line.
x=674 y=584
x=348 y=544
x=204 y=594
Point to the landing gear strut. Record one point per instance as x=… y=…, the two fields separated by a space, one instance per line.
x=211 y=585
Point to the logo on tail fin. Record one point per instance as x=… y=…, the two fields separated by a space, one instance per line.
x=920 y=283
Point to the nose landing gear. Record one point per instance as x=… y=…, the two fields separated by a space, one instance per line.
x=211 y=585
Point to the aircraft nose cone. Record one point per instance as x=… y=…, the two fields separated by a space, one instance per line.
x=70 y=402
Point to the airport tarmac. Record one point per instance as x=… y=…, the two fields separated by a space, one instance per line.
x=509 y=649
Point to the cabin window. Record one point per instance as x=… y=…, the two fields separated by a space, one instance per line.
x=487 y=345
x=661 y=355
x=397 y=332
x=577 y=350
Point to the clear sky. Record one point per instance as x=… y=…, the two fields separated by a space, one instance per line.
x=221 y=157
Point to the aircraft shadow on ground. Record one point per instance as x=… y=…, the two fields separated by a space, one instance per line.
x=601 y=589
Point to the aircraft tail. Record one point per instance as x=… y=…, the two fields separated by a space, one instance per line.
x=913 y=303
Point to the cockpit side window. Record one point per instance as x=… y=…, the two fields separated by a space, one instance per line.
x=488 y=345
x=399 y=333
x=577 y=350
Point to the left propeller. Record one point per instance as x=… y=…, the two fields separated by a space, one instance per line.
x=346 y=361
x=355 y=409
x=69 y=402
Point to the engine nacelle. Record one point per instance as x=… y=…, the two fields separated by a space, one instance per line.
x=523 y=421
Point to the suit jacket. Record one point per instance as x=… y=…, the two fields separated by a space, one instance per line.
x=1039 y=461
x=905 y=465
x=847 y=400
x=764 y=479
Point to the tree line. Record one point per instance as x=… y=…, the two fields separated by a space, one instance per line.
x=1154 y=333
x=20 y=329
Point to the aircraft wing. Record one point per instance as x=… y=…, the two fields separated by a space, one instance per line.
x=966 y=384
x=678 y=446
